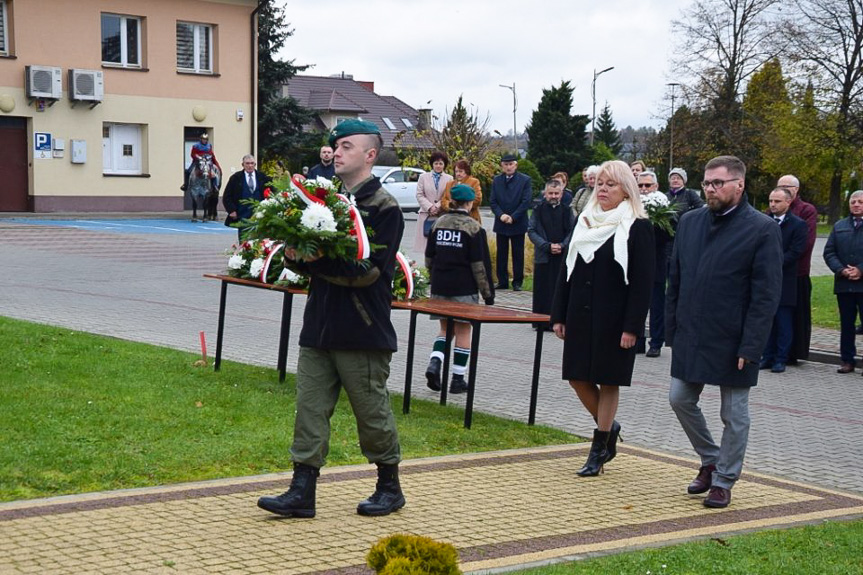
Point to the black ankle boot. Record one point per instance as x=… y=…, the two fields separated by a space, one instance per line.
x=388 y=496
x=613 y=436
x=458 y=384
x=598 y=455
x=433 y=374
x=299 y=500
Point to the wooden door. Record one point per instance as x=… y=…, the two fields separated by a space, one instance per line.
x=14 y=196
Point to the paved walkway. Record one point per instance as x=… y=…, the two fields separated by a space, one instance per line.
x=494 y=522
x=806 y=428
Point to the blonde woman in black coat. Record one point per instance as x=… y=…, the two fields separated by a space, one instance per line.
x=601 y=301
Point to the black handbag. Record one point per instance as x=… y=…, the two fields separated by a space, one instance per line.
x=427 y=226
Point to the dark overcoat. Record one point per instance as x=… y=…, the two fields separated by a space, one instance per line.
x=510 y=197
x=794 y=235
x=597 y=307
x=725 y=277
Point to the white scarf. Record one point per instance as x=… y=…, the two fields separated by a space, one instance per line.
x=592 y=230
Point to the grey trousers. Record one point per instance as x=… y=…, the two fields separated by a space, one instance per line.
x=321 y=374
x=728 y=456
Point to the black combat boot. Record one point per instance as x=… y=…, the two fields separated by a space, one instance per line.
x=613 y=436
x=458 y=384
x=299 y=500
x=433 y=374
x=598 y=455
x=388 y=496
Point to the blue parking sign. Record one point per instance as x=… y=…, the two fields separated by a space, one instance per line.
x=42 y=141
x=41 y=145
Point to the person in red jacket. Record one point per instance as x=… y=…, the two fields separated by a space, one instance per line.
x=803 y=310
x=201 y=148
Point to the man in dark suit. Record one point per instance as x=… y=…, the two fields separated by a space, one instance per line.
x=247 y=184
x=843 y=254
x=510 y=199
x=794 y=233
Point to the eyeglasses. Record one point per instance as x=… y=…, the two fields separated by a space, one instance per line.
x=645 y=185
x=716 y=184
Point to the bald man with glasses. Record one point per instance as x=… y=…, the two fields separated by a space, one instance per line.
x=803 y=310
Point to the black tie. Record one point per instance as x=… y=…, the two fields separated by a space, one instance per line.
x=856 y=223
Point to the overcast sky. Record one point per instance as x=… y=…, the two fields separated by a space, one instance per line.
x=436 y=50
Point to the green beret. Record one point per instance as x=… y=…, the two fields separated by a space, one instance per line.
x=351 y=128
x=462 y=193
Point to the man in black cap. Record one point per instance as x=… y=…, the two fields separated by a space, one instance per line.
x=510 y=199
x=347 y=339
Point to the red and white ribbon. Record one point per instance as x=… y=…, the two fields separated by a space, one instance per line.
x=266 y=268
x=359 y=229
x=405 y=265
x=307 y=197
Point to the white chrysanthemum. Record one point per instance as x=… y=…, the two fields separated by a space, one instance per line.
x=322 y=182
x=657 y=199
x=289 y=276
x=236 y=262
x=318 y=217
x=256 y=267
x=268 y=202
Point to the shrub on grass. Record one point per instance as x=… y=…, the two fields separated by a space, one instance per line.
x=403 y=554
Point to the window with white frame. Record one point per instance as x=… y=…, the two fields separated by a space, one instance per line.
x=121 y=149
x=121 y=40
x=194 y=47
x=4 y=30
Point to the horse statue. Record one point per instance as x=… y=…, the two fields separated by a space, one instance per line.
x=204 y=184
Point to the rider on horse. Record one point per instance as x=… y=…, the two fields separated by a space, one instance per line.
x=200 y=149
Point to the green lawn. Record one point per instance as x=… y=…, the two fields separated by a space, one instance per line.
x=825 y=312
x=82 y=413
x=826 y=549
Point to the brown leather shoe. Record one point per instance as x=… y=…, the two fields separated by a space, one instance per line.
x=845 y=368
x=702 y=481
x=718 y=498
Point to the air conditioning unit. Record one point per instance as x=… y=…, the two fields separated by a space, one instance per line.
x=86 y=85
x=43 y=82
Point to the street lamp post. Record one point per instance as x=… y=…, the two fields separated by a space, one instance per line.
x=593 y=95
x=671 y=128
x=514 y=123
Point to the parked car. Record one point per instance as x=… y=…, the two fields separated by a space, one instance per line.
x=401 y=183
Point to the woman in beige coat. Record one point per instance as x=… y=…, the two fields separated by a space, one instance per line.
x=430 y=187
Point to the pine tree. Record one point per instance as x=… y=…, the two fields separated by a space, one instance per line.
x=280 y=119
x=606 y=131
x=556 y=137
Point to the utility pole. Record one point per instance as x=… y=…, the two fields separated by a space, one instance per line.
x=593 y=95
x=514 y=123
x=671 y=128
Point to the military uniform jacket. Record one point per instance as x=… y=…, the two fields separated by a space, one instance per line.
x=724 y=283
x=349 y=302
